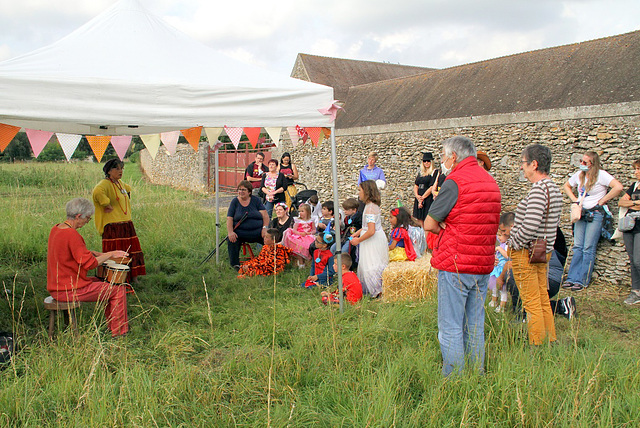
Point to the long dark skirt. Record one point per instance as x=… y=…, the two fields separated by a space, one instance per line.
x=122 y=236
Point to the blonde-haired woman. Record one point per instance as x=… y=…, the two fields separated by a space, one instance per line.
x=595 y=187
x=370 y=171
x=422 y=188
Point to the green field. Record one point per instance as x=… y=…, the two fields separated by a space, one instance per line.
x=208 y=349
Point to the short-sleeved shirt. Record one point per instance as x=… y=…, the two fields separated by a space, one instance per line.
x=255 y=172
x=596 y=192
x=445 y=201
x=254 y=220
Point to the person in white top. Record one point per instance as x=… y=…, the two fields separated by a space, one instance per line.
x=595 y=187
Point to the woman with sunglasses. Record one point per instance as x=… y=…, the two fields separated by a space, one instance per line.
x=594 y=188
x=422 y=188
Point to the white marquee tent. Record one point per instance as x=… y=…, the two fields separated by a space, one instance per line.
x=127 y=72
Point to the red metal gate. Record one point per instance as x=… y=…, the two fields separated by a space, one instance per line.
x=232 y=163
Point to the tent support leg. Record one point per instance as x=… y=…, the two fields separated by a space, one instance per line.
x=336 y=203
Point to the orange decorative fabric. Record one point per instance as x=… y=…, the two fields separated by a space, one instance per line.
x=263 y=264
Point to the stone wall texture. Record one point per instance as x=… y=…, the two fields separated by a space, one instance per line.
x=615 y=136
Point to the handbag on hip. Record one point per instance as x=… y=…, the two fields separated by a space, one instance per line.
x=626 y=223
x=538 y=247
x=576 y=208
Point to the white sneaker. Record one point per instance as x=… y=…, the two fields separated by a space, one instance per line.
x=499 y=309
x=492 y=304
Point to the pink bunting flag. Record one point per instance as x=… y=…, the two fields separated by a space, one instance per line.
x=121 y=144
x=252 y=134
x=170 y=141
x=293 y=134
x=38 y=139
x=234 y=134
x=302 y=133
x=314 y=134
x=68 y=142
x=332 y=110
x=7 y=132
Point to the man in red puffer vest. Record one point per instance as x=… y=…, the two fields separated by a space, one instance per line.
x=465 y=216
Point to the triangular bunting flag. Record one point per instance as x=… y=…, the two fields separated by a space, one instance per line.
x=99 y=144
x=314 y=134
x=38 y=140
x=327 y=133
x=234 y=134
x=293 y=134
x=252 y=134
x=7 y=132
x=152 y=143
x=302 y=133
x=121 y=144
x=68 y=142
x=275 y=135
x=212 y=135
x=170 y=140
x=192 y=135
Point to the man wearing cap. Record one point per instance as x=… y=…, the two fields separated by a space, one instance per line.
x=465 y=216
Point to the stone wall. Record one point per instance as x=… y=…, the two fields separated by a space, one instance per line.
x=616 y=139
x=186 y=169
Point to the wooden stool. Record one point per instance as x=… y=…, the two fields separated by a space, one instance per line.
x=53 y=306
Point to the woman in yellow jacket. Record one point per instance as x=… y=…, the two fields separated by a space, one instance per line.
x=111 y=198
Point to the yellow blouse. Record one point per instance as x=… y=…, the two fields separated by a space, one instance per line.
x=106 y=193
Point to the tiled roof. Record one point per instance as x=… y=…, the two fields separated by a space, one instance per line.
x=602 y=71
x=343 y=73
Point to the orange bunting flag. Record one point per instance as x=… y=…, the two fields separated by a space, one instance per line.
x=192 y=135
x=98 y=144
x=252 y=134
x=7 y=132
x=327 y=133
x=314 y=134
x=234 y=135
x=38 y=140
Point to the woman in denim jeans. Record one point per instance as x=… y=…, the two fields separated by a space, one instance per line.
x=591 y=184
x=631 y=201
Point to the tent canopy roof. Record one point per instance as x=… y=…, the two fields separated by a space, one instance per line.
x=128 y=72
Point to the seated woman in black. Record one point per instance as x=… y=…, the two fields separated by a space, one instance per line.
x=247 y=221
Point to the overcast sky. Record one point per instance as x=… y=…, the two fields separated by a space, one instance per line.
x=270 y=33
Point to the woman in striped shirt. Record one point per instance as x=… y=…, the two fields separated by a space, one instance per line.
x=537 y=216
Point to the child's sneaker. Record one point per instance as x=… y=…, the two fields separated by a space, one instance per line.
x=499 y=309
x=492 y=304
x=570 y=307
x=633 y=299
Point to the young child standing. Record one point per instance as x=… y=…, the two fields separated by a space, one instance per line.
x=352 y=223
x=400 y=245
x=266 y=263
x=351 y=287
x=300 y=235
x=501 y=259
x=322 y=269
x=373 y=250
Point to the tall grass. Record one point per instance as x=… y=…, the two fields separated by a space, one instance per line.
x=208 y=349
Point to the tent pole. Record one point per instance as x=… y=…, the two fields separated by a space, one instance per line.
x=336 y=204
x=217 y=205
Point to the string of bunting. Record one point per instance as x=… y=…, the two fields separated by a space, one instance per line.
x=121 y=143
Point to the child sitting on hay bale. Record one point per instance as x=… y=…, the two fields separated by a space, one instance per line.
x=322 y=270
x=351 y=287
x=400 y=245
x=266 y=263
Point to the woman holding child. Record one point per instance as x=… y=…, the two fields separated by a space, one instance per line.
x=537 y=216
x=290 y=172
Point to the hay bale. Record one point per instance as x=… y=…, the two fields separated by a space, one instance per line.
x=409 y=280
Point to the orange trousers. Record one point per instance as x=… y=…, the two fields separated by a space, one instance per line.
x=531 y=279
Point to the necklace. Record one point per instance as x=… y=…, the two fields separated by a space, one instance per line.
x=68 y=224
x=117 y=187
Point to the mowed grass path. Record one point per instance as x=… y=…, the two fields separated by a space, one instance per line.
x=208 y=349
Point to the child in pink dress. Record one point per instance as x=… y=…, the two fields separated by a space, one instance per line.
x=300 y=235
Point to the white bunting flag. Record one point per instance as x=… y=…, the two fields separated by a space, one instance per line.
x=152 y=143
x=170 y=140
x=68 y=142
x=38 y=140
x=212 y=135
x=121 y=144
x=275 y=135
x=293 y=134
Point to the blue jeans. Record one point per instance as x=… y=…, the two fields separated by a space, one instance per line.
x=585 y=241
x=461 y=320
x=269 y=206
